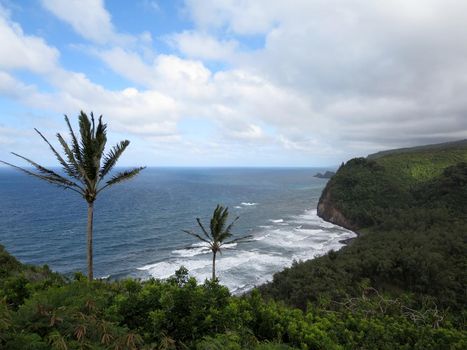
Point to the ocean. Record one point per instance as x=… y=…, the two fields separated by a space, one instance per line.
x=138 y=224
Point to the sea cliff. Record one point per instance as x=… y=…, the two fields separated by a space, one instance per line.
x=328 y=211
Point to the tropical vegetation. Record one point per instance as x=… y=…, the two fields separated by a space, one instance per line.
x=410 y=210
x=219 y=233
x=84 y=166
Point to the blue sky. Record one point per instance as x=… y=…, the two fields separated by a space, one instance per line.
x=235 y=82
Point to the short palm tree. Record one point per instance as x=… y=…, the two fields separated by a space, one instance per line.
x=83 y=171
x=218 y=234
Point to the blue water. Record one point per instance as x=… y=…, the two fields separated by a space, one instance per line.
x=138 y=224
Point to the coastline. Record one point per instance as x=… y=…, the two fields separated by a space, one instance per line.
x=348 y=241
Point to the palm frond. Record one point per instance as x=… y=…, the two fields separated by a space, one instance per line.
x=76 y=170
x=111 y=158
x=61 y=182
x=47 y=172
x=196 y=247
x=74 y=142
x=229 y=228
x=239 y=239
x=84 y=129
x=100 y=139
x=215 y=218
x=218 y=220
x=197 y=236
x=62 y=161
x=90 y=160
x=223 y=236
x=122 y=176
x=200 y=224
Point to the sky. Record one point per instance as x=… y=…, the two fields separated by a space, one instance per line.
x=234 y=82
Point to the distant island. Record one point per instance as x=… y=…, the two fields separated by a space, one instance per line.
x=327 y=175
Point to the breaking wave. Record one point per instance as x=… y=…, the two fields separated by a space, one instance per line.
x=272 y=248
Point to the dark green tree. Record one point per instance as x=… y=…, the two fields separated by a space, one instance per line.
x=218 y=234
x=85 y=165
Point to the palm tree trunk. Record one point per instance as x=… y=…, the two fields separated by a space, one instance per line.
x=214 y=266
x=90 y=222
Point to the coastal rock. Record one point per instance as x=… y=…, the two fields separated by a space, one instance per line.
x=326 y=175
x=328 y=211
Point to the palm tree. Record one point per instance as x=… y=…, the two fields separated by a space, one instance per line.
x=218 y=234
x=82 y=167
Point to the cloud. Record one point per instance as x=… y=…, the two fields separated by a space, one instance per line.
x=21 y=51
x=200 y=45
x=247 y=133
x=302 y=80
x=380 y=74
x=92 y=21
x=10 y=136
x=141 y=112
x=87 y=17
x=243 y=17
x=13 y=88
x=128 y=64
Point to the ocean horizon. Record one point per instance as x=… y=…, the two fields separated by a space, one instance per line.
x=138 y=225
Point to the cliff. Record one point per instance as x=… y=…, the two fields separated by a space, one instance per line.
x=328 y=211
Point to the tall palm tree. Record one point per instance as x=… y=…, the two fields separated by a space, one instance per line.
x=84 y=173
x=219 y=232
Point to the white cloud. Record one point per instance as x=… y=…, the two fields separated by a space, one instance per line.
x=142 y=112
x=92 y=21
x=249 y=132
x=21 y=51
x=128 y=64
x=11 y=87
x=348 y=75
x=386 y=73
x=239 y=16
x=203 y=46
x=10 y=136
x=87 y=17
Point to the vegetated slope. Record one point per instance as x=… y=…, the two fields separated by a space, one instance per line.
x=411 y=212
x=460 y=144
x=422 y=164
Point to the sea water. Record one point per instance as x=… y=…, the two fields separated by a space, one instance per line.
x=138 y=224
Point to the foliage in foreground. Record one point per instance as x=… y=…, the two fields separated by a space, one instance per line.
x=181 y=314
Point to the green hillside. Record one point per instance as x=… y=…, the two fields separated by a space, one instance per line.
x=370 y=191
x=410 y=209
x=421 y=163
x=460 y=144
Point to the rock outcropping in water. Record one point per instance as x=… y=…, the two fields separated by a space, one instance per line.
x=327 y=175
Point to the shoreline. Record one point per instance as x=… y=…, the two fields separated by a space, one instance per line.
x=348 y=241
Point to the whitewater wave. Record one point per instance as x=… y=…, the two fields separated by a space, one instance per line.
x=272 y=248
x=192 y=251
x=248 y=204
